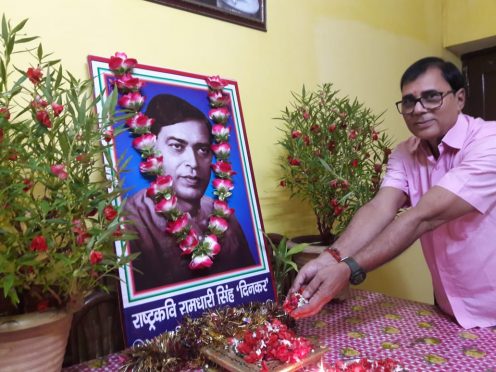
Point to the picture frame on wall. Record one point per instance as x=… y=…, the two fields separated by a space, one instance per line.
x=158 y=288
x=249 y=13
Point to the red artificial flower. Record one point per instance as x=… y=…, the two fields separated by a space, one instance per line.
x=189 y=243
x=132 y=101
x=217 y=225
x=39 y=244
x=128 y=83
x=43 y=118
x=110 y=213
x=179 y=226
x=140 y=123
x=95 y=257
x=34 y=75
x=354 y=163
x=223 y=169
x=306 y=115
x=120 y=64
x=202 y=261
x=152 y=165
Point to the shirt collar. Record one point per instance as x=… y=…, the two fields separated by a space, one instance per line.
x=456 y=135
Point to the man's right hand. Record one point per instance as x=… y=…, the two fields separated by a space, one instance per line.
x=322 y=279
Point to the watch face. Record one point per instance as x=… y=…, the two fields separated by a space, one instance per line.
x=358 y=277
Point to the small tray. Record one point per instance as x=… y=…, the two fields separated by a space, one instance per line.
x=230 y=361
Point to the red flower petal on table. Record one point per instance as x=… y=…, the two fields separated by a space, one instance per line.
x=95 y=257
x=39 y=244
x=34 y=75
x=110 y=213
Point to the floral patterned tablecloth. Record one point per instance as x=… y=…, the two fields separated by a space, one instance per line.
x=377 y=326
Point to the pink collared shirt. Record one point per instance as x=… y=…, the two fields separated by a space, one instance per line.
x=461 y=254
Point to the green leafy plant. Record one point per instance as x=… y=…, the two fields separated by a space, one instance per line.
x=334 y=155
x=283 y=266
x=58 y=214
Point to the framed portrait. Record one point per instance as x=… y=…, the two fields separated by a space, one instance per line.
x=159 y=287
x=249 y=13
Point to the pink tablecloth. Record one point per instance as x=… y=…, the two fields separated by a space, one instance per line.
x=377 y=326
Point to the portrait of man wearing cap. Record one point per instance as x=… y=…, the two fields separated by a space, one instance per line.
x=183 y=139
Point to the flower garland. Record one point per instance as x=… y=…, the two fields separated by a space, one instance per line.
x=202 y=248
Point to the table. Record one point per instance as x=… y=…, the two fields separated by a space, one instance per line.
x=376 y=326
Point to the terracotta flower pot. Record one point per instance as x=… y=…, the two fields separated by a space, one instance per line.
x=34 y=342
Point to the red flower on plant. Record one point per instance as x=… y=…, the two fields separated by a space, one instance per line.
x=34 y=75
x=43 y=118
x=294 y=161
x=59 y=171
x=28 y=184
x=375 y=135
x=352 y=135
x=108 y=135
x=296 y=134
x=332 y=127
x=57 y=109
x=110 y=213
x=42 y=305
x=4 y=113
x=95 y=257
x=354 y=163
x=39 y=244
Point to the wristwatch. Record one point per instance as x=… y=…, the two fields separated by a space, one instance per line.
x=357 y=274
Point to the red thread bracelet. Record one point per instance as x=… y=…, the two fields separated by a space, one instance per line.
x=334 y=253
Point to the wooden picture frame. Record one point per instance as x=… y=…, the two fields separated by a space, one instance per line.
x=248 y=13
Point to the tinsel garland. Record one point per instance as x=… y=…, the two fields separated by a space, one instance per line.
x=173 y=351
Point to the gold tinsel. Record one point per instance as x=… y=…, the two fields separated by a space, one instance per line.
x=172 y=351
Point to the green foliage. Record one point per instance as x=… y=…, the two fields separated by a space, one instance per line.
x=68 y=210
x=283 y=265
x=334 y=155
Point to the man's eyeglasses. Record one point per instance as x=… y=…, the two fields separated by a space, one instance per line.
x=430 y=100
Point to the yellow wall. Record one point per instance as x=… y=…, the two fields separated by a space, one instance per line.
x=362 y=46
x=469 y=25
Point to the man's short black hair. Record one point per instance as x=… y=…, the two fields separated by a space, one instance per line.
x=450 y=72
x=168 y=109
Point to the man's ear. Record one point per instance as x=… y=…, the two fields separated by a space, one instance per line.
x=460 y=96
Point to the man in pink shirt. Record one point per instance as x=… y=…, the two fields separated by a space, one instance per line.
x=446 y=174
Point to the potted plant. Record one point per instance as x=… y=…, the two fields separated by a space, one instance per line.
x=333 y=156
x=58 y=213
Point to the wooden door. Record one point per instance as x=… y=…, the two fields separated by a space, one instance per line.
x=479 y=69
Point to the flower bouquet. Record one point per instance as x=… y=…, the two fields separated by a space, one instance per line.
x=59 y=218
x=333 y=156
